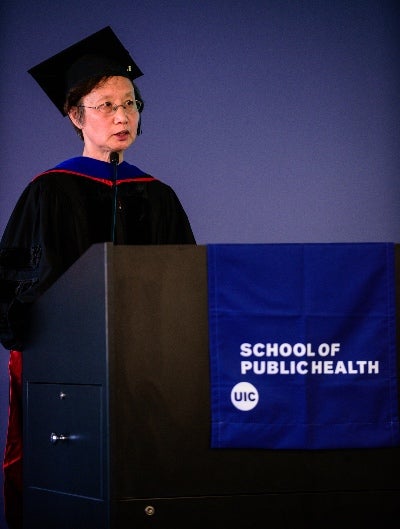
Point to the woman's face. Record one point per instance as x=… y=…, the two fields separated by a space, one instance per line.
x=105 y=133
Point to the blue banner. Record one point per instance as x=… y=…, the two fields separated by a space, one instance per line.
x=303 y=346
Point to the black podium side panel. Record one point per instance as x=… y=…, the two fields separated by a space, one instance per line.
x=68 y=342
x=66 y=481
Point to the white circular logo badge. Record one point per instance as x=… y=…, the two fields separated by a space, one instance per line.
x=244 y=396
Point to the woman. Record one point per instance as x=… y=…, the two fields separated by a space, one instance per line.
x=89 y=199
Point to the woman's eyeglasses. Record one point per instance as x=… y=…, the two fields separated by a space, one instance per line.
x=130 y=106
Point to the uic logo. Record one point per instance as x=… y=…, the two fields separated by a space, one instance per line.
x=244 y=396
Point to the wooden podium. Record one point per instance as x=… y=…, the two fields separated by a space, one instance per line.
x=117 y=416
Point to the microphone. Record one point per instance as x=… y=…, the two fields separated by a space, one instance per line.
x=114 y=160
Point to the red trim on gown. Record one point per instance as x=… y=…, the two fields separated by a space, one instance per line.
x=12 y=464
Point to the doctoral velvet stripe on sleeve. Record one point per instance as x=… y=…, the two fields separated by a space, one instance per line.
x=303 y=347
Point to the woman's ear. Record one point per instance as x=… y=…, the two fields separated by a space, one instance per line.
x=73 y=115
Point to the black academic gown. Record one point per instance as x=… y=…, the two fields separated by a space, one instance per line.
x=59 y=216
x=63 y=212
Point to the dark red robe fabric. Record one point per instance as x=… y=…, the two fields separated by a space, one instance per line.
x=13 y=452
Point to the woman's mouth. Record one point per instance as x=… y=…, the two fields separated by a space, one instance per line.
x=122 y=135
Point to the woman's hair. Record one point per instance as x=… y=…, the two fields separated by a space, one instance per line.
x=75 y=95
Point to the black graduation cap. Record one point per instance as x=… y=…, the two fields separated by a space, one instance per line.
x=99 y=54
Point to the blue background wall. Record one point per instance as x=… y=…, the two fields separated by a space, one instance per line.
x=274 y=120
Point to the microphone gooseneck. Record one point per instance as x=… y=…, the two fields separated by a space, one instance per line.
x=114 y=160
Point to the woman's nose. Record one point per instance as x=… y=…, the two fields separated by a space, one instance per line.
x=120 y=114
